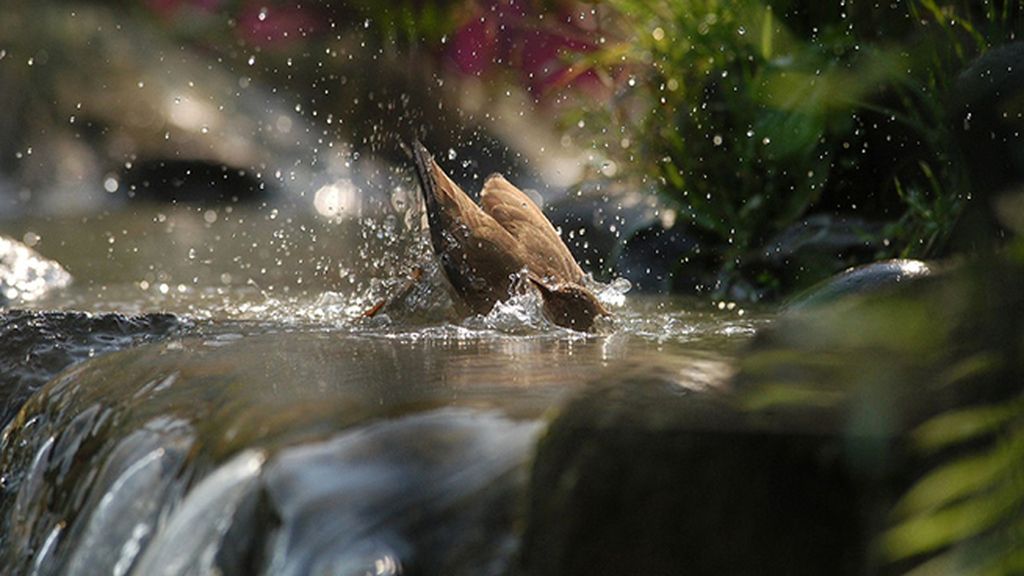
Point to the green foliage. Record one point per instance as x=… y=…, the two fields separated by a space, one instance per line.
x=939 y=369
x=965 y=515
x=968 y=509
x=752 y=115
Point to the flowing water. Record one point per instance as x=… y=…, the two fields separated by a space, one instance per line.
x=267 y=426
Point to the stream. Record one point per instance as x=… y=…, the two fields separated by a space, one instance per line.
x=207 y=398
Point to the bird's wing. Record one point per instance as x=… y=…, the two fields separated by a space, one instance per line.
x=479 y=256
x=444 y=198
x=547 y=256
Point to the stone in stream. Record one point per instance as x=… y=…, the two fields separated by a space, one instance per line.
x=35 y=346
x=638 y=477
x=838 y=448
x=865 y=279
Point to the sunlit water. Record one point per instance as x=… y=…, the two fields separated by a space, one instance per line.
x=276 y=429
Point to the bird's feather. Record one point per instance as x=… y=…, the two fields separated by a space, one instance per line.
x=547 y=256
x=480 y=257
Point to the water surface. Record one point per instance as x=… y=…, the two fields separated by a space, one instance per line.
x=276 y=429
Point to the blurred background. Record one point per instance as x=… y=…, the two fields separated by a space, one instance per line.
x=741 y=150
x=242 y=166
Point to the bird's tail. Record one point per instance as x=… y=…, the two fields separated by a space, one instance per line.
x=424 y=163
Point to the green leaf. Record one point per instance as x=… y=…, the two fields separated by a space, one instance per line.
x=960 y=426
x=953 y=481
x=766 y=34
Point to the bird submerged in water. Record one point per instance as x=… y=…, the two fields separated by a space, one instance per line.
x=486 y=250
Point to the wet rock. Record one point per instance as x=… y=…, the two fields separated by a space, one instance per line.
x=864 y=279
x=636 y=476
x=25 y=275
x=35 y=346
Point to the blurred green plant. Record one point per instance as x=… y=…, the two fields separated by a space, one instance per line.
x=968 y=512
x=928 y=383
x=752 y=115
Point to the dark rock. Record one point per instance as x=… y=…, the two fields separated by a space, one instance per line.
x=986 y=114
x=660 y=259
x=636 y=477
x=35 y=346
x=864 y=279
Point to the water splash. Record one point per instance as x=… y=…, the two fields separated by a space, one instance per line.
x=25 y=275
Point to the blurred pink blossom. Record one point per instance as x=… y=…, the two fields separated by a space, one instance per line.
x=512 y=34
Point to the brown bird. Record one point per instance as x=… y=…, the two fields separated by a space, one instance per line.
x=486 y=250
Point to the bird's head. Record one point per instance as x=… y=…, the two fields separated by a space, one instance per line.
x=570 y=305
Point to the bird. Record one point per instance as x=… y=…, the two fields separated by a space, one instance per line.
x=492 y=251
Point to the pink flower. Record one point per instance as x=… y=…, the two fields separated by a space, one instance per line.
x=511 y=34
